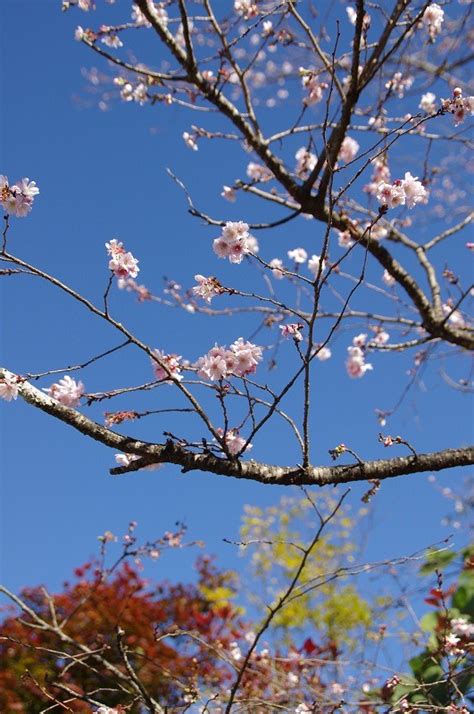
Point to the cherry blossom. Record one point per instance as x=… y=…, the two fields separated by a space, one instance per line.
x=316 y=265
x=391 y=195
x=352 y=17
x=348 y=150
x=298 y=255
x=355 y=363
x=126 y=460
x=170 y=362
x=461 y=627
x=246 y=8
x=388 y=279
x=313 y=87
x=234 y=442
x=323 y=353
x=267 y=28
x=381 y=337
x=17 y=200
x=306 y=161
x=190 y=140
x=451 y=644
x=399 y=84
x=252 y=245
x=455 y=317
x=277 y=268
x=229 y=194
x=433 y=18
x=344 y=238
x=240 y=360
x=360 y=340
x=132 y=93
x=381 y=174
x=234 y=242
x=458 y=105
x=293 y=330
x=427 y=102
x=159 y=13
x=257 y=172
x=111 y=40
x=66 y=391
x=121 y=263
x=414 y=190
x=207 y=288
x=8 y=386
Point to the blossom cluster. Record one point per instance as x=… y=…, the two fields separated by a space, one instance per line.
x=458 y=106
x=407 y=191
x=398 y=84
x=313 y=87
x=8 y=386
x=433 y=18
x=121 y=263
x=234 y=442
x=66 y=391
x=246 y=8
x=207 y=288
x=240 y=360
x=235 y=242
x=292 y=330
x=17 y=199
x=166 y=366
x=355 y=364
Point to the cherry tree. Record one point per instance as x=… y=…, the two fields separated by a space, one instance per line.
x=351 y=76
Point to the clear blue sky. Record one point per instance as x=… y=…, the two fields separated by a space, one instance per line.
x=102 y=175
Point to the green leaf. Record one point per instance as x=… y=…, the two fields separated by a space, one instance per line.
x=437 y=560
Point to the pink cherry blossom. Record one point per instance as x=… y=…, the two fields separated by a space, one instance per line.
x=121 y=263
x=292 y=330
x=8 y=386
x=398 y=84
x=414 y=190
x=306 y=161
x=427 y=102
x=257 y=172
x=313 y=87
x=355 y=363
x=66 y=391
x=344 y=238
x=17 y=200
x=240 y=360
x=234 y=242
x=298 y=255
x=247 y=357
x=246 y=8
x=170 y=366
x=207 y=288
x=348 y=150
x=277 y=268
x=360 y=340
x=127 y=459
x=234 y=441
x=451 y=645
x=381 y=174
x=455 y=318
x=229 y=194
x=190 y=140
x=459 y=106
x=381 y=337
x=391 y=195
x=432 y=19
x=316 y=265
x=388 y=279
x=323 y=353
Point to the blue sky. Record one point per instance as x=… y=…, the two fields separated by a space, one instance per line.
x=103 y=175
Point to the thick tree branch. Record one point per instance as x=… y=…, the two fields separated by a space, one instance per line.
x=251 y=470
